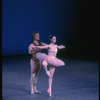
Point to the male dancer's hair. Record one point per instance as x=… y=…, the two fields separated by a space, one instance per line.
x=33 y=35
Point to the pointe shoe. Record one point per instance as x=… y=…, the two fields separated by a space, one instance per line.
x=32 y=92
x=49 y=92
x=48 y=73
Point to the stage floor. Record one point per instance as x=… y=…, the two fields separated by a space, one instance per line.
x=77 y=80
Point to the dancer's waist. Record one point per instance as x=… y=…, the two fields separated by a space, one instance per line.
x=52 y=56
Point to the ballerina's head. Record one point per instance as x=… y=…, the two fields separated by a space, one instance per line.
x=52 y=38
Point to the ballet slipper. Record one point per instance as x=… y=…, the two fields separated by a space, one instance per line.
x=49 y=91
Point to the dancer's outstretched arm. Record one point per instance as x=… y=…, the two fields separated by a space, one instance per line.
x=61 y=47
x=43 y=47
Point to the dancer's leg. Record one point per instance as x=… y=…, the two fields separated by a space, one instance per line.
x=32 y=78
x=52 y=70
x=36 y=75
x=44 y=63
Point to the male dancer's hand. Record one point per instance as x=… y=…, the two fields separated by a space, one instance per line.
x=34 y=48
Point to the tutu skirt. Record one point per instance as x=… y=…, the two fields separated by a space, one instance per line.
x=52 y=60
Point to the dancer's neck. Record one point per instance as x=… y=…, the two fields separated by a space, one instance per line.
x=35 y=41
x=53 y=43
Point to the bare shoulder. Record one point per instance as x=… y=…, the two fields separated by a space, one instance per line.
x=31 y=45
x=56 y=45
x=50 y=46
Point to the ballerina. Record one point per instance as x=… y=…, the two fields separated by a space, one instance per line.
x=50 y=59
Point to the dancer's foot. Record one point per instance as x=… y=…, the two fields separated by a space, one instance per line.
x=36 y=91
x=32 y=92
x=49 y=91
x=48 y=73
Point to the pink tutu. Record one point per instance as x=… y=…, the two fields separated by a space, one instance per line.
x=41 y=56
x=50 y=59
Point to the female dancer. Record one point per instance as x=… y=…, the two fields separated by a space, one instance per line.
x=34 y=62
x=50 y=59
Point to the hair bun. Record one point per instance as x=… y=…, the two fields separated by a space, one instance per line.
x=50 y=37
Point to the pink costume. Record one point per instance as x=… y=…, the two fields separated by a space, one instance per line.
x=50 y=58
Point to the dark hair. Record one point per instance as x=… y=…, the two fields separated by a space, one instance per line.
x=33 y=35
x=51 y=36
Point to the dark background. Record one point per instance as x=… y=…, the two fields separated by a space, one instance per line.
x=74 y=22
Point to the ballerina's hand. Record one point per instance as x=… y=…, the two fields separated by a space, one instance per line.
x=62 y=46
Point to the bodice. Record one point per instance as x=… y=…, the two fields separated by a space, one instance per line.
x=52 y=52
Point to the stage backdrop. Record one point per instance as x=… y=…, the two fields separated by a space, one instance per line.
x=66 y=19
